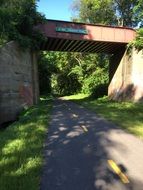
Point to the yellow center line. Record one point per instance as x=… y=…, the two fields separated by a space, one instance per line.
x=118 y=171
x=84 y=128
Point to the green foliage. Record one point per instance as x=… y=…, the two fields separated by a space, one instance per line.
x=112 y=12
x=74 y=72
x=17 y=22
x=94 y=74
x=92 y=11
x=138 y=42
x=100 y=90
x=138 y=13
x=46 y=67
x=21 y=145
x=67 y=82
x=93 y=83
x=128 y=12
x=54 y=74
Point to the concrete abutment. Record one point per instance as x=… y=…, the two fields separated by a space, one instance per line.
x=127 y=81
x=18 y=81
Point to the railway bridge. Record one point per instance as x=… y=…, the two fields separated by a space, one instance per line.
x=18 y=69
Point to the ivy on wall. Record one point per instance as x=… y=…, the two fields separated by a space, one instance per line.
x=138 y=42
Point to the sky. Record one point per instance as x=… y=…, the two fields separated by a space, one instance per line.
x=56 y=9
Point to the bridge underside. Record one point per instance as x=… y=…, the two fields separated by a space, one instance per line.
x=86 y=46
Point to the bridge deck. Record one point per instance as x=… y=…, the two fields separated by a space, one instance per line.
x=80 y=37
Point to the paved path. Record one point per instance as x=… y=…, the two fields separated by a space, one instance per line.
x=76 y=159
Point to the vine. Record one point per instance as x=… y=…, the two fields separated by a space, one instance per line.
x=138 y=42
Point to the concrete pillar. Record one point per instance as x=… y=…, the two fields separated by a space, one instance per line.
x=137 y=74
x=126 y=84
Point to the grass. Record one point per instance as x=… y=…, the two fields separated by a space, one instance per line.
x=21 y=146
x=127 y=115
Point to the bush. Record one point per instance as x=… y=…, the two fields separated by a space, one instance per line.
x=100 y=91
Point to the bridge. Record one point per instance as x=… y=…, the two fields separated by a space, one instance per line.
x=124 y=69
x=18 y=68
x=80 y=37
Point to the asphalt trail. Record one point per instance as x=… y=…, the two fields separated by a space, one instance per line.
x=78 y=147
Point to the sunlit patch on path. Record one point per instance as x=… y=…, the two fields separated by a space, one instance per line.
x=75 y=115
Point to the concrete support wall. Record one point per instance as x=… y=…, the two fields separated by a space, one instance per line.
x=18 y=81
x=127 y=82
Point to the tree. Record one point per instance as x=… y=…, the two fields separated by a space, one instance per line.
x=92 y=71
x=112 y=12
x=94 y=11
x=46 y=67
x=65 y=82
x=55 y=73
x=17 y=21
x=73 y=73
x=129 y=12
x=138 y=42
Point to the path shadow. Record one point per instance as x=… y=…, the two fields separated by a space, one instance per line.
x=76 y=159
